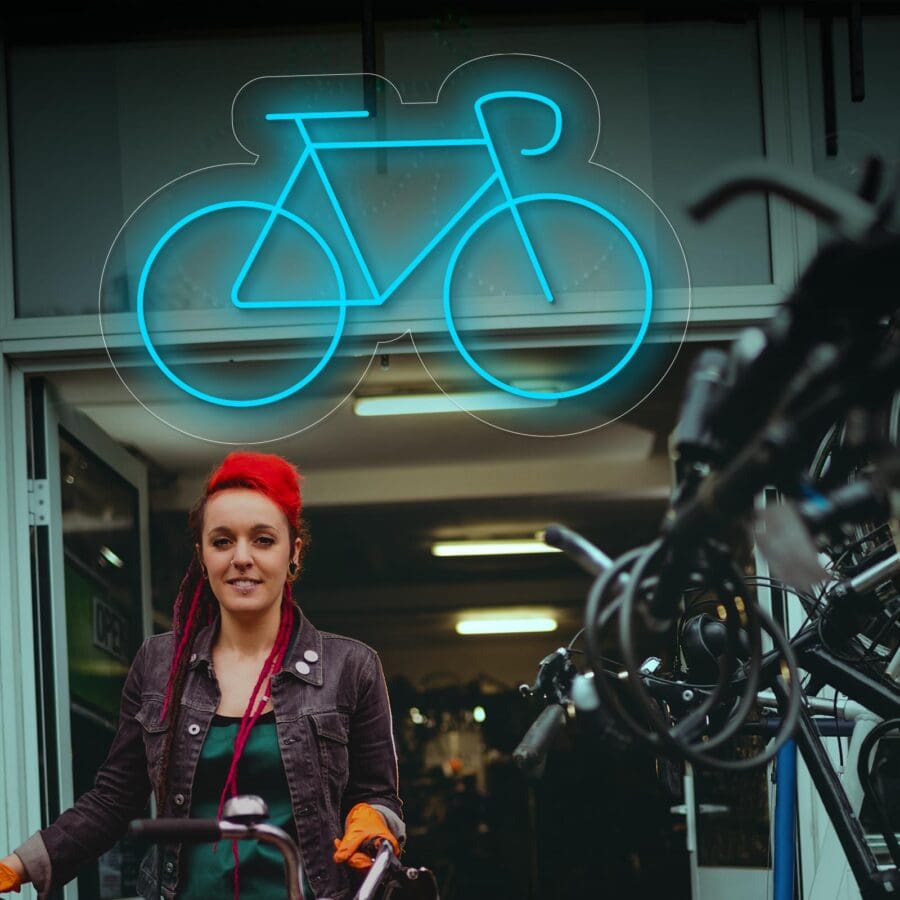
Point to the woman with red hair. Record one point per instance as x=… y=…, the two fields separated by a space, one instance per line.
x=244 y=694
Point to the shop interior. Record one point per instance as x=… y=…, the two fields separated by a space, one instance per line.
x=379 y=495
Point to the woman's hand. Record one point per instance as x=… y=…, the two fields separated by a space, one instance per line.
x=364 y=823
x=12 y=873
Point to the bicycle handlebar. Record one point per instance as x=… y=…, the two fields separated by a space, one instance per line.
x=208 y=830
x=523 y=95
x=845 y=212
x=592 y=559
x=192 y=831
x=385 y=865
x=381 y=866
x=531 y=754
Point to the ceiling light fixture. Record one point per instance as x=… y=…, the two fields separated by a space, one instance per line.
x=507 y=547
x=505 y=624
x=111 y=557
x=423 y=404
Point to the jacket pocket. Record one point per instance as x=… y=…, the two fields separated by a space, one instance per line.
x=154 y=734
x=333 y=733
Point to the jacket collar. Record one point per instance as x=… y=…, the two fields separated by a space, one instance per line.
x=303 y=659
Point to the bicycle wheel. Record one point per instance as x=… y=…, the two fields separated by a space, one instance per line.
x=265 y=398
x=606 y=219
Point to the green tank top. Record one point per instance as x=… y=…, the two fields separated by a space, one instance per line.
x=206 y=874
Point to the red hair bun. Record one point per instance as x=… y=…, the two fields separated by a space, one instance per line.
x=267 y=473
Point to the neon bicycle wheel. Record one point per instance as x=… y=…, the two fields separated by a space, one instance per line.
x=250 y=216
x=637 y=260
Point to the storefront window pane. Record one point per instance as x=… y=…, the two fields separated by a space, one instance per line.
x=96 y=130
x=103 y=630
x=862 y=128
x=677 y=100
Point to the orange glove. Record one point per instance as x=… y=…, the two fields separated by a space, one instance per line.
x=364 y=823
x=9 y=881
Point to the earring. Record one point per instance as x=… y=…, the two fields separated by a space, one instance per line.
x=293 y=570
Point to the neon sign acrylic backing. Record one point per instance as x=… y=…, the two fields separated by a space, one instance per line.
x=479 y=226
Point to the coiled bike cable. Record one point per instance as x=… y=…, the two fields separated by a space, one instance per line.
x=662 y=737
x=597 y=617
x=758 y=618
x=727 y=664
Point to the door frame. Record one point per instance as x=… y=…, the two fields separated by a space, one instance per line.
x=21 y=673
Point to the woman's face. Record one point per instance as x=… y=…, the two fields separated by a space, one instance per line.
x=246 y=548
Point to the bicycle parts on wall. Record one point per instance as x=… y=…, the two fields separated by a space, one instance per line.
x=479 y=230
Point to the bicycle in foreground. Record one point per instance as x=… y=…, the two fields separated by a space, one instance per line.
x=244 y=819
x=753 y=420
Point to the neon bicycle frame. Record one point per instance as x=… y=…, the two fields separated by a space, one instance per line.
x=311 y=153
x=511 y=203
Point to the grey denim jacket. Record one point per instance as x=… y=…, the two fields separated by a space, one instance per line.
x=333 y=722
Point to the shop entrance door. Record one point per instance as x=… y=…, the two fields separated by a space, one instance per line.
x=91 y=594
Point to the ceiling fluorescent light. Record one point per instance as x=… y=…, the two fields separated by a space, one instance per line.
x=112 y=557
x=505 y=624
x=512 y=547
x=421 y=404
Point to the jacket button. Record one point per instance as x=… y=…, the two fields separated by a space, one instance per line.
x=305 y=811
x=170 y=867
x=310 y=656
x=302 y=667
x=193 y=657
x=179 y=799
x=193 y=728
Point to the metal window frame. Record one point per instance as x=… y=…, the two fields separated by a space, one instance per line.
x=57 y=416
x=19 y=780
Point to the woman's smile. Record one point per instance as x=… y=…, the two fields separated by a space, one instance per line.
x=244 y=585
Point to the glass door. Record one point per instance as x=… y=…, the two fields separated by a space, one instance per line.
x=90 y=575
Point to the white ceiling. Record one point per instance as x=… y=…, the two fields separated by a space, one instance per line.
x=349 y=460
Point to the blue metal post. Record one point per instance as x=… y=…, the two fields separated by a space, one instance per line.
x=785 y=818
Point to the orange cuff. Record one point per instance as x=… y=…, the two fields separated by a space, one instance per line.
x=9 y=881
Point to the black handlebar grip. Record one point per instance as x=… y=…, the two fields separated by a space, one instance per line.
x=531 y=754
x=705 y=385
x=182 y=831
x=592 y=559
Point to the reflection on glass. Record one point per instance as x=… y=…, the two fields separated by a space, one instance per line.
x=666 y=124
x=103 y=627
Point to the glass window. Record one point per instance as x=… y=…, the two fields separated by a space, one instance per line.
x=867 y=127
x=96 y=130
x=666 y=122
x=103 y=630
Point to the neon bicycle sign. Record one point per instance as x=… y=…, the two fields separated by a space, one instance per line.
x=298 y=255
x=312 y=155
